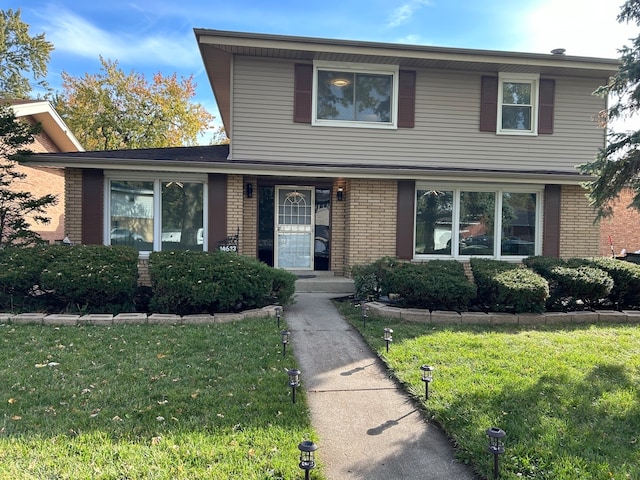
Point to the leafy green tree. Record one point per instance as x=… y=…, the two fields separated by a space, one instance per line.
x=18 y=207
x=617 y=165
x=112 y=110
x=21 y=56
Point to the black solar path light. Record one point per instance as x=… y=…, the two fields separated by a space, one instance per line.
x=365 y=313
x=284 y=339
x=427 y=378
x=278 y=314
x=496 y=447
x=294 y=382
x=307 y=460
x=388 y=337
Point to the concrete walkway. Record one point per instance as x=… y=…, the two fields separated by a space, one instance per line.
x=368 y=428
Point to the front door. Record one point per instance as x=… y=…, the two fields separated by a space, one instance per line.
x=294 y=225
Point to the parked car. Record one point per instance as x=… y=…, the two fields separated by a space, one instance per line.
x=124 y=236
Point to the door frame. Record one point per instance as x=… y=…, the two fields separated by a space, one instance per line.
x=310 y=227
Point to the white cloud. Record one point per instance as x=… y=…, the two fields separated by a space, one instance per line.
x=74 y=35
x=583 y=27
x=404 y=12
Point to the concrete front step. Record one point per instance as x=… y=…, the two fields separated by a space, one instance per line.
x=323 y=282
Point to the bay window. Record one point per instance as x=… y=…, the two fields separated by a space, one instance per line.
x=464 y=221
x=156 y=214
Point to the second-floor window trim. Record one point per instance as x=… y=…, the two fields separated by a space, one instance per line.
x=355 y=95
x=492 y=102
x=517 y=104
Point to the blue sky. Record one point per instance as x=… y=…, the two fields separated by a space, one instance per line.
x=151 y=36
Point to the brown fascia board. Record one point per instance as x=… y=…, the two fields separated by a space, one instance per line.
x=254 y=42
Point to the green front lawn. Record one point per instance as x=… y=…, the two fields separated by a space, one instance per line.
x=148 y=402
x=568 y=397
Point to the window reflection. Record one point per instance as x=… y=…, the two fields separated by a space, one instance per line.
x=518 y=223
x=477 y=216
x=350 y=96
x=434 y=219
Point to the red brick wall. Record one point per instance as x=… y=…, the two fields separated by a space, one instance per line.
x=623 y=227
x=43 y=181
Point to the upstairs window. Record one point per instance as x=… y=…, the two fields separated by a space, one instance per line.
x=355 y=95
x=517 y=104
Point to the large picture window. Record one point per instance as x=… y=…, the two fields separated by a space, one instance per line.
x=355 y=95
x=156 y=214
x=465 y=221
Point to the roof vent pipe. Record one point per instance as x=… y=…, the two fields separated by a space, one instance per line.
x=558 y=51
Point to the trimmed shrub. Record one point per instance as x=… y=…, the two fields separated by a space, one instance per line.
x=569 y=287
x=20 y=270
x=434 y=285
x=626 y=279
x=368 y=279
x=504 y=286
x=92 y=278
x=521 y=290
x=190 y=282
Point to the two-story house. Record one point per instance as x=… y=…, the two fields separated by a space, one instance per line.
x=343 y=152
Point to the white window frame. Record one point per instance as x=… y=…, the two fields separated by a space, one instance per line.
x=534 y=81
x=392 y=70
x=157 y=205
x=498 y=190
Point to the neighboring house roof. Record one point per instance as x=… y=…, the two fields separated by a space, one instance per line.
x=217 y=48
x=44 y=113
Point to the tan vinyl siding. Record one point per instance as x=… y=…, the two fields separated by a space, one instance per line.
x=446 y=129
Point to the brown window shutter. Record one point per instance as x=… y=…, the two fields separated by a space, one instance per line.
x=488 y=104
x=545 y=106
x=405 y=219
x=407 y=99
x=92 y=207
x=551 y=227
x=217 y=218
x=302 y=92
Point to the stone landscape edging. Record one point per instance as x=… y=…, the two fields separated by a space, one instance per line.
x=133 y=318
x=415 y=315
x=500 y=318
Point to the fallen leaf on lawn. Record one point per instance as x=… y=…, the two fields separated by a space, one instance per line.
x=195 y=394
x=156 y=440
x=52 y=364
x=252 y=452
x=116 y=419
x=41 y=365
x=16 y=417
x=94 y=412
x=163 y=402
x=220 y=415
x=160 y=418
x=11 y=401
x=160 y=355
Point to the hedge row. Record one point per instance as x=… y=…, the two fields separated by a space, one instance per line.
x=198 y=282
x=100 y=279
x=59 y=278
x=545 y=284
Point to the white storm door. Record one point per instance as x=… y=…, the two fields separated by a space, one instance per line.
x=294 y=228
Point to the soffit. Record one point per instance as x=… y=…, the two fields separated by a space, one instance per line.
x=416 y=56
